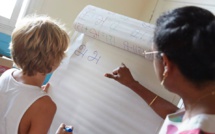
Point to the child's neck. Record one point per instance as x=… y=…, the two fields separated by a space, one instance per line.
x=35 y=80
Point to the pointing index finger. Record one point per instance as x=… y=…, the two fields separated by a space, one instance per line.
x=123 y=64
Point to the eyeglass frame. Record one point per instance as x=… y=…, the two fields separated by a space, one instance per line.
x=152 y=57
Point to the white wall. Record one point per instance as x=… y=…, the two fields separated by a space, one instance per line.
x=67 y=10
x=164 y=5
x=148 y=10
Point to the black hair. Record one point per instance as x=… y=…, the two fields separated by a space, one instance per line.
x=187 y=36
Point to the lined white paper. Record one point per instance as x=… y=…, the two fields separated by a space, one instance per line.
x=115 y=29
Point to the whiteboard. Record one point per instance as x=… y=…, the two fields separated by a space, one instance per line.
x=88 y=100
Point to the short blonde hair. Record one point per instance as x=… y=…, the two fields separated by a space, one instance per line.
x=38 y=43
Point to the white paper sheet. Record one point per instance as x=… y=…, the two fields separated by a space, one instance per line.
x=94 y=104
x=115 y=29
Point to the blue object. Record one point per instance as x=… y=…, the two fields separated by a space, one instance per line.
x=48 y=76
x=68 y=129
x=4 y=44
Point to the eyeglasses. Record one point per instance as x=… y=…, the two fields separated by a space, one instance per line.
x=149 y=55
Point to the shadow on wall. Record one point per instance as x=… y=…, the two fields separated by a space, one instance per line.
x=4 y=50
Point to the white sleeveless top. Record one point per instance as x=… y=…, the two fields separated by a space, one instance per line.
x=15 y=99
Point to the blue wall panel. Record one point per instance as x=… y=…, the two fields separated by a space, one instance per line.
x=4 y=44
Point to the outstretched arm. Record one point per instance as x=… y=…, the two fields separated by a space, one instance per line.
x=159 y=105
